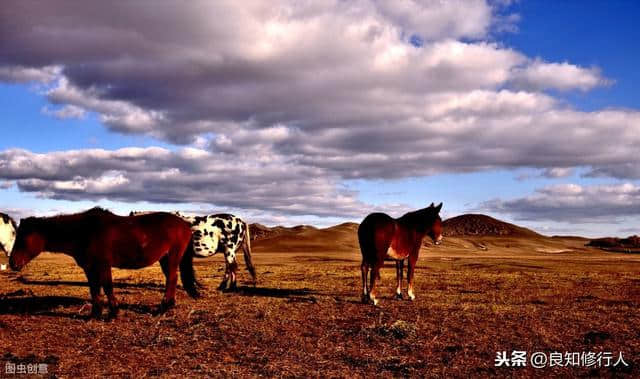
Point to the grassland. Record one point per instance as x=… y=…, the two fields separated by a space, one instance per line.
x=476 y=296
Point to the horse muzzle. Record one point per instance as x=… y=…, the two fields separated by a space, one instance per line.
x=15 y=266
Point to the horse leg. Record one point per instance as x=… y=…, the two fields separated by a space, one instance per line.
x=233 y=268
x=375 y=274
x=410 y=275
x=169 y=264
x=399 y=269
x=107 y=284
x=164 y=264
x=94 y=288
x=364 y=268
x=225 y=278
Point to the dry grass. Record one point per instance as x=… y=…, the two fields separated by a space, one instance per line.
x=475 y=297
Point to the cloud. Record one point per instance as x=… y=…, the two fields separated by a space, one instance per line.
x=65 y=112
x=19 y=74
x=175 y=74
x=118 y=114
x=186 y=176
x=557 y=172
x=538 y=75
x=573 y=203
x=286 y=100
x=435 y=19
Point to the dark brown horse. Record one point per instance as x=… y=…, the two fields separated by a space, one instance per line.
x=99 y=240
x=382 y=237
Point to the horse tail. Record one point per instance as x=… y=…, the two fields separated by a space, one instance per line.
x=187 y=273
x=366 y=241
x=246 y=250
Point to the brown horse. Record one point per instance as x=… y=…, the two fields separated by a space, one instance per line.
x=382 y=237
x=99 y=240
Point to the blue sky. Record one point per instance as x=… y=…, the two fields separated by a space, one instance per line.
x=594 y=33
x=501 y=109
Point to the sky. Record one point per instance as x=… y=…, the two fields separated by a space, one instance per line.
x=320 y=112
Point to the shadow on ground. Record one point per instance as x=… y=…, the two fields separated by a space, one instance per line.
x=116 y=284
x=274 y=292
x=41 y=305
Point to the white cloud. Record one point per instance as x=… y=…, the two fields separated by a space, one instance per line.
x=538 y=75
x=66 y=112
x=21 y=74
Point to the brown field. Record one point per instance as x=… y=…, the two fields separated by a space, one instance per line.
x=475 y=296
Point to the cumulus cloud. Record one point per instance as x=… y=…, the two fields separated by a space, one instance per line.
x=435 y=19
x=539 y=75
x=306 y=64
x=20 y=74
x=65 y=112
x=573 y=203
x=189 y=175
x=289 y=98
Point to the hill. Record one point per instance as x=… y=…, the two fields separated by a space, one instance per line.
x=305 y=238
x=467 y=225
x=481 y=225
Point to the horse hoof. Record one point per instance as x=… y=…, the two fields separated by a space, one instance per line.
x=222 y=287
x=96 y=313
x=113 y=314
x=166 y=305
x=233 y=287
x=399 y=296
x=365 y=299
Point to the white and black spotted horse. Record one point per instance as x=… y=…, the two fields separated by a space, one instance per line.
x=221 y=233
x=8 y=229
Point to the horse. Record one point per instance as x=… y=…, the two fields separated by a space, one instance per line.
x=99 y=240
x=382 y=237
x=223 y=233
x=7 y=233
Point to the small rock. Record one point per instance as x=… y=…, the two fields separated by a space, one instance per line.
x=402 y=329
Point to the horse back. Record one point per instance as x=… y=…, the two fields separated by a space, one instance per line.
x=139 y=241
x=160 y=227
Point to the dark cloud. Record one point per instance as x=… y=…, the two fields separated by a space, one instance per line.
x=573 y=203
x=187 y=176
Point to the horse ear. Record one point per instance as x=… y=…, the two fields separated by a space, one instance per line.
x=439 y=207
x=431 y=206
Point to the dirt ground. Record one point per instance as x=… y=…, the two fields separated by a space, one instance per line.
x=475 y=297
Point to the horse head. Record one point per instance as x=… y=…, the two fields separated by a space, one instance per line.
x=29 y=243
x=435 y=231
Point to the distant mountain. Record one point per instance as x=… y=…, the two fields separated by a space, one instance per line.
x=481 y=225
x=305 y=238
x=259 y=231
x=632 y=242
x=467 y=225
x=471 y=231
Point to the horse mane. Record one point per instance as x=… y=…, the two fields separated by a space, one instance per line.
x=62 y=218
x=8 y=220
x=98 y=211
x=421 y=218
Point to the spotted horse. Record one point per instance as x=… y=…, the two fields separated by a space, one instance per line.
x=8 y=229
x=221 y=233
